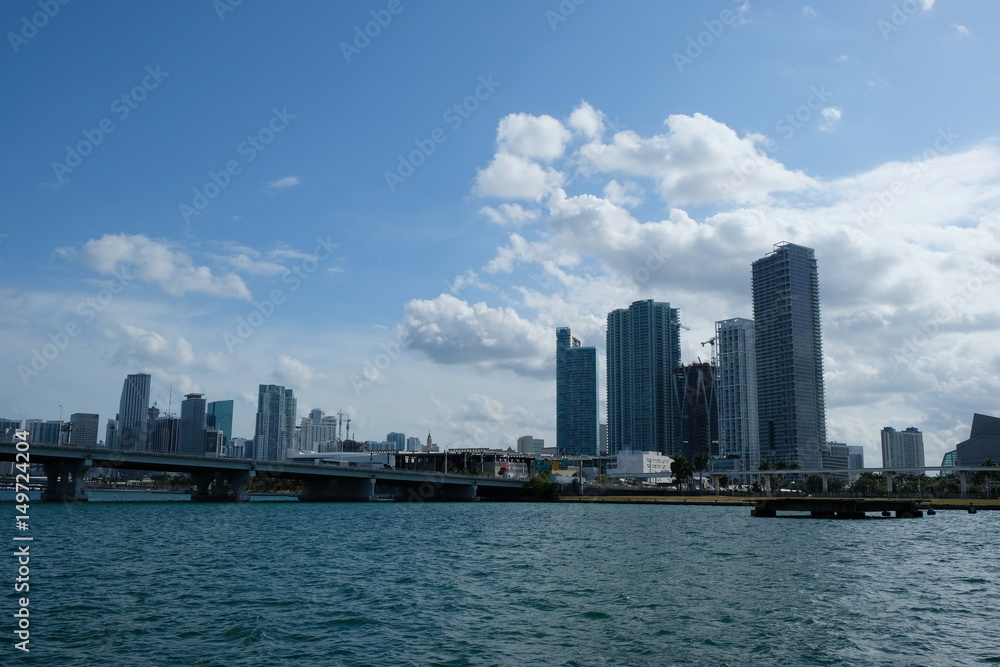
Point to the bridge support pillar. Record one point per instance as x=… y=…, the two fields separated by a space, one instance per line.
x=210 y=486
x=767 y=485
x=358 y=489
x=826 y=481
x=962 y=480
x=65 y=481
x=888 y=484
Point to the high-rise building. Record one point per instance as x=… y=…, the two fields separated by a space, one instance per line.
x=602 y=439
x=316 y=416
x=413 y=444
x=643 y=348
x=698 y=409
x=166 y=435
x=274 y=432
x=902 y=449
x=44 y=431
x=576 y=395
x=788 y=343
x=736 y=391
x=111 y=435
x=83 y=427
x=836 y=456
x=529 y=444
x=193 y=425
x=855 y=459
x=8 y=427
x=133 y=412
x=397 y=441
x=220 y=416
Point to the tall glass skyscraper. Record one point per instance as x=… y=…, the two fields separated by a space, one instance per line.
x=902 y=449
x=193 y=425
x=736 y=391
x=644 y=348
x=221 y=417
x=576 y=396
x=133 y=412
x=788 y=343
x=274 y=432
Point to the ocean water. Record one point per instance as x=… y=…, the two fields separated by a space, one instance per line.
x=163 y=582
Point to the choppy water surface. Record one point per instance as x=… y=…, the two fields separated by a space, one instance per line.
x=264 y=583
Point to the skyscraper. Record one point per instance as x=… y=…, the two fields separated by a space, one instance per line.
x=736 y=391
x=133 y=412
x=274 y=432
x=576 y=395
x=902 y=449
x=788 y=343
x=220 y=416
x=397 y=441
x=697 y=409
x=193 y=425
x=83 y=429
x=643 y=348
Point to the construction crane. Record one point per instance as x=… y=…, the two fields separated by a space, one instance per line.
x=711 y=341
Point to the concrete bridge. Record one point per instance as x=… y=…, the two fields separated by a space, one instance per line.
x=222 y=479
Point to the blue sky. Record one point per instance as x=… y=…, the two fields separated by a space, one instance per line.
x=393 y=224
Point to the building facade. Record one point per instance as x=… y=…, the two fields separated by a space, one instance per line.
x=83 y=428
x=791 y=406
x=902 y=449
x=698 y=409
x=220 y=416
x=133 y=409
x=274 y=430
x=736 y=391
x=44 y=431
x=643 y=348
x=576 y=395
x=193 y=425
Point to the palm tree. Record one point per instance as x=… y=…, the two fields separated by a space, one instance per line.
x=681 y=468
x=700 y=463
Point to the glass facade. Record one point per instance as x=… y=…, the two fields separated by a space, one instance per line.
x=788 y=344
x=643 y=348
x=576 y=396
x=736 y=391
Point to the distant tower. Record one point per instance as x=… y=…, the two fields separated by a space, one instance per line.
x=133 y=412
x=697 y=409
x=789 y=348
x=83 y=429
x=193 y=425
x=430 y=446
x=643 y=349
x=274 y=431
x=576 y=395
x=736 y=391
x=902 y=449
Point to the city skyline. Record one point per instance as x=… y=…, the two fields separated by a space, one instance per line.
x=413 y=225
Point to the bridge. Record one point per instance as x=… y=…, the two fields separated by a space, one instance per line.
x=223 y=479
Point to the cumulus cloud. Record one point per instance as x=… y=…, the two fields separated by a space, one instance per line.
x=697 y=160
x=627 y=194
x=509 y=214
x=527 y=136
x=514 y=177
x=293 y=372
x=156 y=262
x=452 y=331
x=587 y=120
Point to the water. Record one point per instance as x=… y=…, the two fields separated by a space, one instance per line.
x=267 y=583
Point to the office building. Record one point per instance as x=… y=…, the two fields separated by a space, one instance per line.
x=83 y=427
x=413 y=444
x=44 y=431
x=576 y=395
x=902 y=449
x=836 y=456
x=133 y=412
x=397 y=441
x=220 y=416
x=165 y=436
x=274 y=432
x=193 y=425
x=983 y=442
x=8 y=429
x=791 y=407
x=529 y=444
x=736 y=392
x=643 y=349
x=697 y=407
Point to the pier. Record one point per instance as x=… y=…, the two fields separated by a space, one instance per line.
x=838 y=508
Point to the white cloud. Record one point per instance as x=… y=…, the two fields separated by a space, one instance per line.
x=808 y=11
x=246 y=264
x=628 y=194
x=283 y=183
x=587 y=120
x=509 y=214
x=926 y=5
x=831 y=118
x=156 y=262
x=294 y=373
x=962 y=31
x=540 y=137
x=513 y=177
x=452 y=331
x=697 y=160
